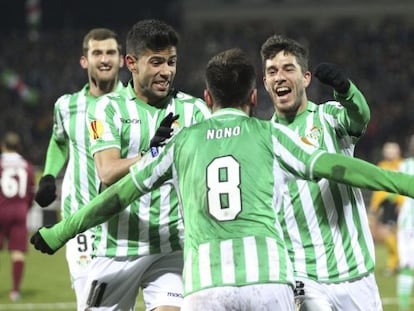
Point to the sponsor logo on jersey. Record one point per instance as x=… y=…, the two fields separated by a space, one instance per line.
x=178 y=295
x=130 y=121
x=96 y=129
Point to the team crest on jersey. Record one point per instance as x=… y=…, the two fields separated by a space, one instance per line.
x=176 y=126
x=83 y=261
x=312 y=136
x=96 y=129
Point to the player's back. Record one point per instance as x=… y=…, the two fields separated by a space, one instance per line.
x=227 y=187
x=17 y=181
x=227 y=156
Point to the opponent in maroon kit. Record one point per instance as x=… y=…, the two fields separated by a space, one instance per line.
x=16 y=196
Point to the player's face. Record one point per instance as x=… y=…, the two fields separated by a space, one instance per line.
x=286 y=84
x=391 y=151
x=153 y=73
x=103 y=60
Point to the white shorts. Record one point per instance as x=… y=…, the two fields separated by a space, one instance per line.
x=78 y=256
x=405 y=238
x=119 y=280
x=358 y=295
x=259 y=297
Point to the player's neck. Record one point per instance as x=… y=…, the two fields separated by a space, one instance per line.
x=101 y=88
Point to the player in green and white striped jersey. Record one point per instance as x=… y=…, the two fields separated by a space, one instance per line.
x=228 y=170
x=405 y=238
x=325 y=223
x=69 y=144
x=122 y=127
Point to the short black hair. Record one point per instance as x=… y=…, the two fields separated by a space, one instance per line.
x=152 y=34
x=277 y=43
x=230 y=78
x=100 y=34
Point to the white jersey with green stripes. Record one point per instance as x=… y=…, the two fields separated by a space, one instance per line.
x=406 y=213
x=152 y=224
x=80 y=182
x=325 y=223
x=228 y=170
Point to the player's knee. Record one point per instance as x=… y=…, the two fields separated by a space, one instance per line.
x=17 y=256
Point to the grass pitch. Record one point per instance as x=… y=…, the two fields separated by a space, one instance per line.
x=46 y=284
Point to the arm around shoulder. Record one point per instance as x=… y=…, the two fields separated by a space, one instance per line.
x=362 y=174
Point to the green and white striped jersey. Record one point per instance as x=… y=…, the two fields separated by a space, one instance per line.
x=152 y=224
x=325 y=223
x=228 y=170
x=70 y=131
x=406 y=213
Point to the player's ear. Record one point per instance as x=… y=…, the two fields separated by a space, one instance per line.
x=307 y=77
x=130 y=62
x=265 y=84
x=83 y=62
x=253 y=98
x=121 y=61
x=208 y=99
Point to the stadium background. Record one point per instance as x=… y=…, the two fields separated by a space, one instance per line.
x=372 y=40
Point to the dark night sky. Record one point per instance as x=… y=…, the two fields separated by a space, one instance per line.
x=84 y=13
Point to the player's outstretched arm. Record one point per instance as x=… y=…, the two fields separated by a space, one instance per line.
x=362 y=174
x=99 y=210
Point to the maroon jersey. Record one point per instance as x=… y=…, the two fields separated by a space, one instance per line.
x=16 y=182
x=16 y=195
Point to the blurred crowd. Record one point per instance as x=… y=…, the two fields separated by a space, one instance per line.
x=376 y=54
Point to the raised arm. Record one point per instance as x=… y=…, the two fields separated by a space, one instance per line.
x=356 y=114
x=56 y=157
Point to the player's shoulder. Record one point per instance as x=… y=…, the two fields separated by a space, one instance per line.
x=276 y=128
x=64 y=98
x=331 y=105
x=111 y=98
x=186 y=98
x=262 y=123
x=69 y=97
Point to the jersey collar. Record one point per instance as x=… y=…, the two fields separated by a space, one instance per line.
x=311 y=107
x=229 y=111
x=161 y=104
x=87 y=87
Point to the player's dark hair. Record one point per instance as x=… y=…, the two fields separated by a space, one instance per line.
x=230 y=78
x=11 y=141
x=100 y=34
x=150 y=34
x=277 y=43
